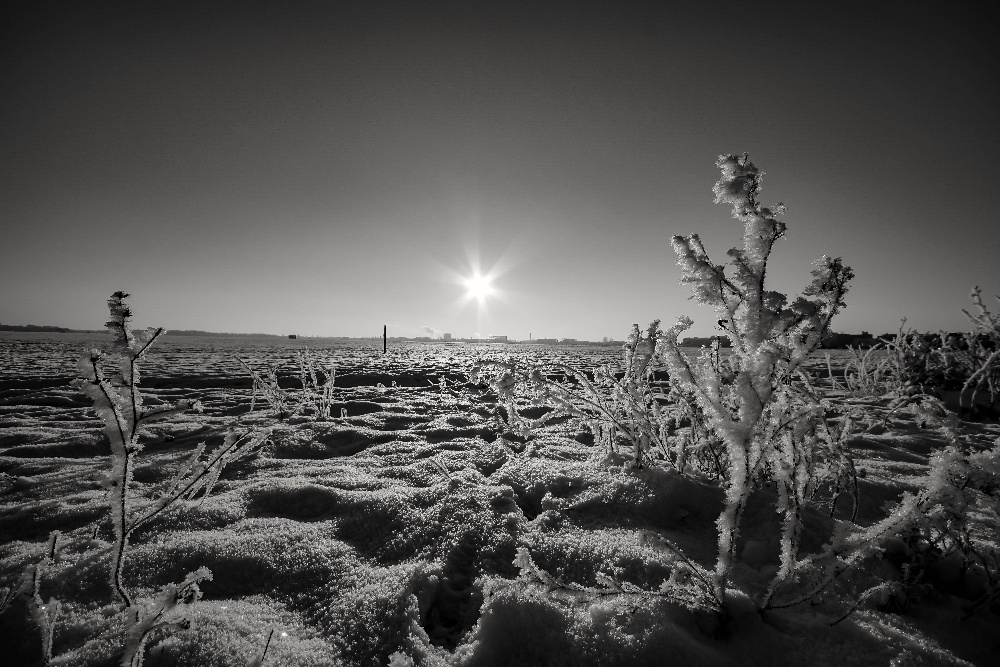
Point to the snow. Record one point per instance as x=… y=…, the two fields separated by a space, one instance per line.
x=391 y=534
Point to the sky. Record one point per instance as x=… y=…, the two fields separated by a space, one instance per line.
x=325 y=169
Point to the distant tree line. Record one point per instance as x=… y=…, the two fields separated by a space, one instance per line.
x=957 y=340
x=833 y=340
x=196 y=332
x=32 y=327
x=841 y=341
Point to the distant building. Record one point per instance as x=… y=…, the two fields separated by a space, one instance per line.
x=292 y=336
x=498 y=339
x=446 y=336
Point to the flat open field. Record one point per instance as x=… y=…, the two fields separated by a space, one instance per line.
x=389 y=532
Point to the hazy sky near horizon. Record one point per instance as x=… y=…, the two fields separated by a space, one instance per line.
x=318 y=169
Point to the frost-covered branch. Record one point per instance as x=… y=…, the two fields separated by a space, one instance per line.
x=171 y=611
x=196 y=476
x=687 y=583
x=28 y=589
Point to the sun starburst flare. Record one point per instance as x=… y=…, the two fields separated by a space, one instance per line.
x=479 y=287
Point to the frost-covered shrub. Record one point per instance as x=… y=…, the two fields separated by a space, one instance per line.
x=773 y=430
x=916 y=363
x=687 y=582
x=983 y=345
x=750 y=419
x=510 y=380
x=911 y=363
x=943 y=544
x=928 y=533
x=904 y=365
x=865 y=373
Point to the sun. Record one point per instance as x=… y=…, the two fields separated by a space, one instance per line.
x=479 y=287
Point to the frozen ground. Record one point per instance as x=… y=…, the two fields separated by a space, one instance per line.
x=391 y=533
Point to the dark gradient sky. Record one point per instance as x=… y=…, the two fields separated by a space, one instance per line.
x=302 y=168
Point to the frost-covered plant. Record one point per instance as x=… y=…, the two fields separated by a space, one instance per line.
x=171 y=611
x=616 y=406
x=315 y=396
x=199 y=476
x=906 y=364
x=984 y=346
x=119 y=404
x=915 y=363
x=932 y=525
x=28 y=589
x=508 y=379
x=922 y=363
x=865 y=373
x=266 y=385
x=689 y=583
x=910 y=363
x=771 y=429
x=943 y=535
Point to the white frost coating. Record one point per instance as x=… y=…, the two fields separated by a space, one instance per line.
x=770 y=339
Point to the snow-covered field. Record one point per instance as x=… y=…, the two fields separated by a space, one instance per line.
x=389 y=535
